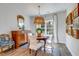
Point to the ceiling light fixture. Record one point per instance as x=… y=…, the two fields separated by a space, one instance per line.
x=39 y=19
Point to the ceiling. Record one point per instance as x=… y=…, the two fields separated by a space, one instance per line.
x=31 y=9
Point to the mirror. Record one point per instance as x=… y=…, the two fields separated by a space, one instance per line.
x=20 y=22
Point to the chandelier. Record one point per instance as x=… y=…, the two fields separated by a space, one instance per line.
x=39 y=19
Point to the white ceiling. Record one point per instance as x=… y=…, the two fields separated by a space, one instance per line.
x=31 y=9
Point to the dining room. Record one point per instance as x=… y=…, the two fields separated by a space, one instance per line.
x=34 y=29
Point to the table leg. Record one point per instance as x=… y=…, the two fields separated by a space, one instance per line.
x=44 y=45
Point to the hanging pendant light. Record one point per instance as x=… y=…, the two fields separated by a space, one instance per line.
x=39 y=19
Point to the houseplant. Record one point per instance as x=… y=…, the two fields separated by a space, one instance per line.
x=39 y=31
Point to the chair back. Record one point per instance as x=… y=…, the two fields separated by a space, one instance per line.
x=32 y=39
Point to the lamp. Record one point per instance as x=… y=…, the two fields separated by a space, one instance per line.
x=39 y=19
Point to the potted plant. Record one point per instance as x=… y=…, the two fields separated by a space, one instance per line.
x=39 y=31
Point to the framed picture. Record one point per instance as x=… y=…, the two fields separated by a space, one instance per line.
x=70 y=21
x=72 y=32
x=77 y=34
x=67 y=20
x=72 y=15
x=75 y=13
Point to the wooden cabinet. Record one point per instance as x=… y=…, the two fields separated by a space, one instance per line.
x=19 y=37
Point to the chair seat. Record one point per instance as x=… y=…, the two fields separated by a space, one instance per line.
x=36 y=46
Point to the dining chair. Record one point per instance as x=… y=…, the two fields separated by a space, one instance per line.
x=34 y=44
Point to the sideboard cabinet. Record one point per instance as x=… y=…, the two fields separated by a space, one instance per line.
x=20 y=38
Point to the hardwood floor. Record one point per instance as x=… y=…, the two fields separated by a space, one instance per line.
x=23 y=52
x=60 y=49
x=57 y=50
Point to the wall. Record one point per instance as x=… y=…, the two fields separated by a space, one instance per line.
x=61 y=26
x=8 y=20
x=72 y=43
x=32 y=25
